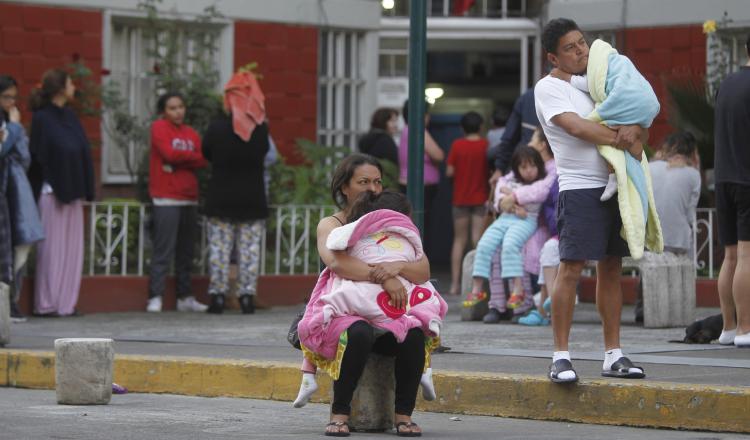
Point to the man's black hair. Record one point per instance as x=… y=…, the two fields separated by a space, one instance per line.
x=405 y=110
x=471 y=122
x=554 y=30
x=500 y=117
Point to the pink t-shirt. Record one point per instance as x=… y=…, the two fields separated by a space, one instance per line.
x=431 y=172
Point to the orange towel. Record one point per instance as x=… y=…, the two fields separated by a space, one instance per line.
x=244 y=99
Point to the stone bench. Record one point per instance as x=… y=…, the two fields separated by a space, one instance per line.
x=374 y=398
x=83 y=371
x=668 y=288
x=4 y=314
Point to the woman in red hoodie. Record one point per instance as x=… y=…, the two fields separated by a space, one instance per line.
x=173 y=187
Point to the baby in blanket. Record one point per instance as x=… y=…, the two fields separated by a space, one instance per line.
x=623 y=97
x=379 y=230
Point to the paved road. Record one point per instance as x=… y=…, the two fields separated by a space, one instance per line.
x=505 y=348
x=29 y=414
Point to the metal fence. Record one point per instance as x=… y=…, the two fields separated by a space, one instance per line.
x=118 y=239
x=118 y=243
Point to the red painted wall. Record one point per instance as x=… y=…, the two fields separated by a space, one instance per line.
x=660 y=54
x=287 y=57
x=34 y=39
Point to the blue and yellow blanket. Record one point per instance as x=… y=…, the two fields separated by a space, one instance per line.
x=624 y=97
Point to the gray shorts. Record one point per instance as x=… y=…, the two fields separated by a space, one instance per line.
x=469 y=210
x=589 y=229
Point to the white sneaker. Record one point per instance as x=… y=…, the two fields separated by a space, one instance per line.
x=190 y=304
x=154 y=304
x=742 y=340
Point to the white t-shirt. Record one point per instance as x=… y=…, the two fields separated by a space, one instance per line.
x=579 y=164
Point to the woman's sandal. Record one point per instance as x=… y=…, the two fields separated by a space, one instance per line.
x=408 y=433
x=338 y=432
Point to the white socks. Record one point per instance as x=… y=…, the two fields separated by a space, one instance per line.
x=564 y=375
x=612 y=356
x=610 y=189
x=306 y=389
x=727 y=337
x=428 y=388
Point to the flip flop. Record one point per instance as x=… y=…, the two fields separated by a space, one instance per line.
x=560 y=366
x=338 y=433
x=408 y=433
x=621 y=369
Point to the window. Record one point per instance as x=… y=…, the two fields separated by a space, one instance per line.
x=131 y=69
x=394 y=55
x=733 y=42
x=340 y=87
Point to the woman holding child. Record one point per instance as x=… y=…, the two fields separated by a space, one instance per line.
x=356 y=337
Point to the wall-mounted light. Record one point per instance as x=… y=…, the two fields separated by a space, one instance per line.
x=433 y=93
x=388 y=4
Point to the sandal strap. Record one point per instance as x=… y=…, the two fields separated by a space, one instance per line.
x=561 y=365
x=624 y=364
x=338 y=424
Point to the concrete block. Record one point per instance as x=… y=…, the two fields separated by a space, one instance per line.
x=476 y=311
x=374 y=398
x=668 y=290
x=4 y=314
x=83 y=370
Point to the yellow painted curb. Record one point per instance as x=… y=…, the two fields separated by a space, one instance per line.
x=643 y=403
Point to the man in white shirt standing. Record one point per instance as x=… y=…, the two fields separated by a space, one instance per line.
x=589 y=229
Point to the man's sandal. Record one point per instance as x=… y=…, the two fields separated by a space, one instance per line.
x=408 y=433
x=559 y=366
x=338 y=432
x=622 y=369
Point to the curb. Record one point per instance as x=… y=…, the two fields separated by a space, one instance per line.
x=611 y=402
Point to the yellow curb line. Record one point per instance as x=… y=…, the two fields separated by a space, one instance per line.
x=611 y=402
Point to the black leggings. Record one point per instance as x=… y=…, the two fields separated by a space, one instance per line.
x=409 y=365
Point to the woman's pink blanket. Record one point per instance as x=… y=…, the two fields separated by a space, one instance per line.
x=337 y=303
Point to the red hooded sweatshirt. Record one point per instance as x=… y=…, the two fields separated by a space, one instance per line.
x=180 y=148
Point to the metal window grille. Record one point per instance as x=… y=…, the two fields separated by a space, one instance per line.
x=340 y=87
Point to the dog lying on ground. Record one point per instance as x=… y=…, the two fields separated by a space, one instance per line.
x=703 y=331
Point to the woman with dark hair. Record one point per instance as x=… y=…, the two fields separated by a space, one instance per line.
x=24 y=222
x=173 y=187
x=355 y=174
x=62 y=150
x=236 y=144
x=378 y=142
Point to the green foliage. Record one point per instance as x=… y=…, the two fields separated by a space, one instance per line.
x=308 y=182
x=693 y=110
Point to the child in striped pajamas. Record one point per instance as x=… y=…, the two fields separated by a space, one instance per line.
x=514 y=227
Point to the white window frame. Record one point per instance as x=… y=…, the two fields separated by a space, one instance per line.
x=332 y=126
x=110 y=18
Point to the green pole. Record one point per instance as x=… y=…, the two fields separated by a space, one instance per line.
x=417 y=68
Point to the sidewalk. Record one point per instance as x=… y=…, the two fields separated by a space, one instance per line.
x=490 y=369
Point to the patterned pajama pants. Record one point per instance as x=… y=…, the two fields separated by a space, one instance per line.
x=511 y=233
x=222 y=237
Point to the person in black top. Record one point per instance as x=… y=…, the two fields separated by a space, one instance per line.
x=732 y=177
x=236 y=204
x=60 y=147
x=378 y=142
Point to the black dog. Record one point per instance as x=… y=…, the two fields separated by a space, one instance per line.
x=703 y=331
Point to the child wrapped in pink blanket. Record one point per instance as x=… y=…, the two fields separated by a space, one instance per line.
x=383 y=236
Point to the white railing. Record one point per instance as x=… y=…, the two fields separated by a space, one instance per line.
x=121 y=244
x=118 y=241
x=704 y=245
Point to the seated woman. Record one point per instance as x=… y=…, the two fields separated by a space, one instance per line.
x=379 y=230
x=342 y=346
